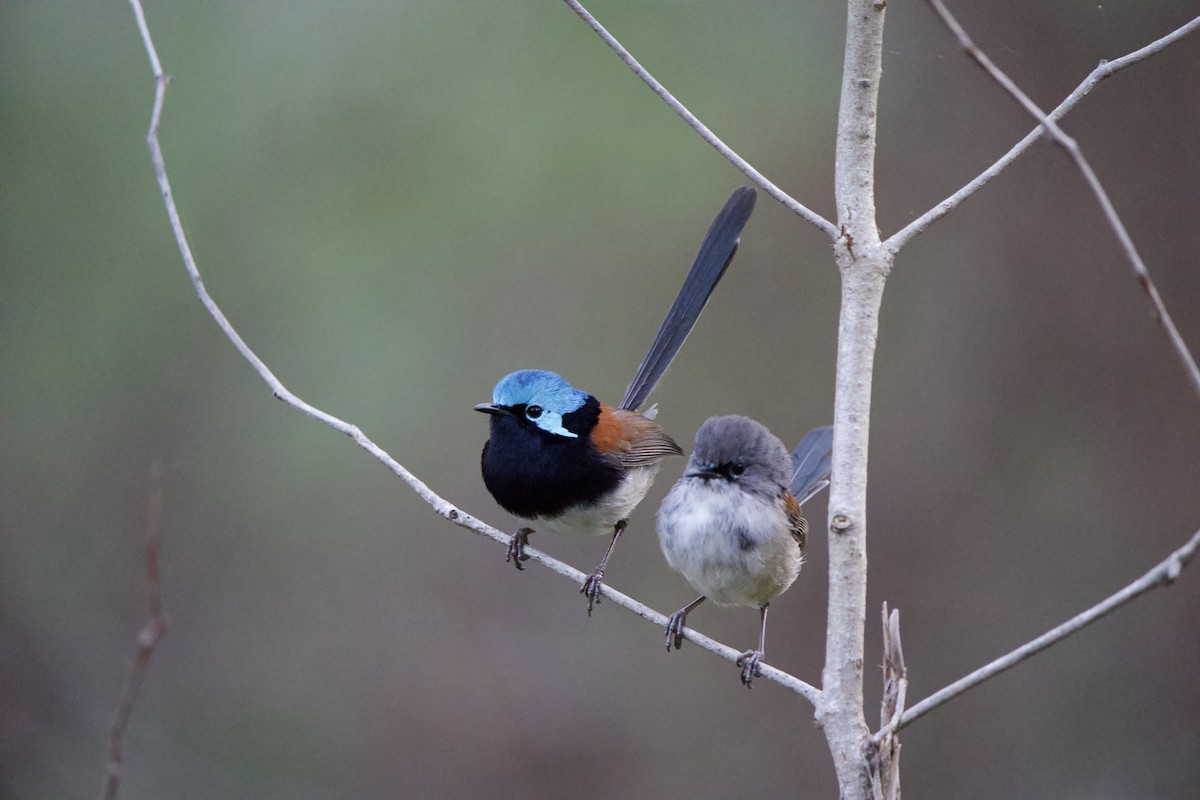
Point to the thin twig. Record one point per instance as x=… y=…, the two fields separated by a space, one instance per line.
x=699 y=127
x=1104 y=70
x=147 y=639
x=1164 y=573
x=1072 y=148
x=439 y=504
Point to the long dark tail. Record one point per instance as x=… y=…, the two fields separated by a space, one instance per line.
x=811 y=463
x=715 y=254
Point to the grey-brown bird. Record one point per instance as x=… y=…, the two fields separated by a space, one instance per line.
x=733 y=527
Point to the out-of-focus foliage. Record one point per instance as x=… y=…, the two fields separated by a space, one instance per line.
x=397 y=203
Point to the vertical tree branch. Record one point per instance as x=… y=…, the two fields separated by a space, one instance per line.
x=864 y=265
x=147 y=638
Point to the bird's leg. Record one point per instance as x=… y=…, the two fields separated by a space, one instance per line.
x=750 y=660
x=591 y=584
x=676 y=621
x=516 y=547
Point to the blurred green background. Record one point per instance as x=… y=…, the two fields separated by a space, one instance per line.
x=398 y=203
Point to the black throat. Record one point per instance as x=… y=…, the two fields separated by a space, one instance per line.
x=532 y=473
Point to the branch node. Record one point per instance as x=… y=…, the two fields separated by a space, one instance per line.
x=1174 y=566
x=1105 y=70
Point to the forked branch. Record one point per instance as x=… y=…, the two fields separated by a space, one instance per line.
x=1104 y=70
x=1072 y=149
x=853 y=443
x=1167 y=570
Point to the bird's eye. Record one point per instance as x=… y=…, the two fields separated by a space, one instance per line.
x=533 y=412
x=737 y=469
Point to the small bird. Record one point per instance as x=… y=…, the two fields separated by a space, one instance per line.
x=559 y=457
x=732 y=526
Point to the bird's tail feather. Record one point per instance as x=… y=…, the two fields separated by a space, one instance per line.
x=716 y=252
x=811 y=463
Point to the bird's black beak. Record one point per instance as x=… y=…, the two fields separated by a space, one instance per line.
x=705 y=471
x=494 y=409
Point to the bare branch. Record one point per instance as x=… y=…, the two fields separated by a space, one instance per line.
x=883 y=749
x=864 y=264
x=439 y=504
x=1072 y=148
x=1164 y=573
x=895 y=673
x=1104 y=70
x=699 y=127
x=147 y=638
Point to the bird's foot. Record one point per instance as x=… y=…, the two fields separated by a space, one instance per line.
x=675 y=624
x=591 y=587
x=750 y=662
x=516 y=547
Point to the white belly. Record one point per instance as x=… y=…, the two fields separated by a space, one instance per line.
x=599 y=519
x=732 y=547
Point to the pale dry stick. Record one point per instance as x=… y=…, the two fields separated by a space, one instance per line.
x=1072 y=149
x=1104 y=70
x=147 y=639
x=895 y=684
x=1162 y=574
x=805 y=213
x=439 y=504
x=884 y=753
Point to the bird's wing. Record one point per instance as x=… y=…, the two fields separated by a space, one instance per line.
x=630 y=440
x=797 y=524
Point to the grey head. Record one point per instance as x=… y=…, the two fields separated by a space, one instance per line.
x=743 y=452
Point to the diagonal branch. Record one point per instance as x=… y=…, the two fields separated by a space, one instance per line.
x=154 y=629
x=1163 y=574
x=439 y=504
x=1104 y=70
x=1072 y=148
x=699 y=127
